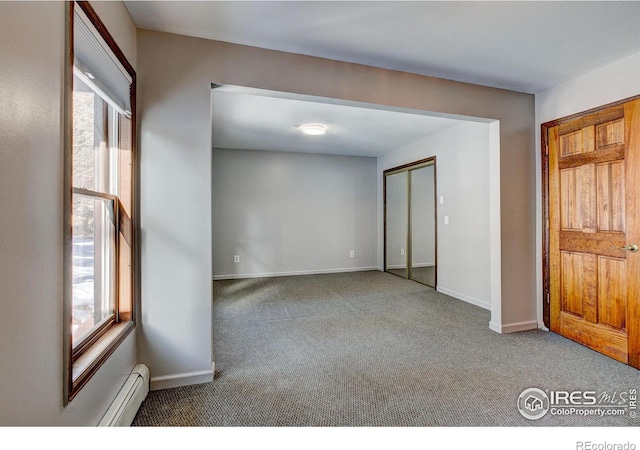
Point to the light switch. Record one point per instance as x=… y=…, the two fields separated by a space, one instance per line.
x=446 y=220
x=441 y=199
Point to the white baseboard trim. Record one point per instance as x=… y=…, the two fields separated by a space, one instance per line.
x=402 y=266
x=464 y=298
x=182 y=379
x=514 y=327
x=542 y=327
x=299 y=272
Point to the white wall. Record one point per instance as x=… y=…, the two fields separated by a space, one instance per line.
x=288 y=213
x=175 y=339
x=462 y=178
x=607 y=84
x=32 y=61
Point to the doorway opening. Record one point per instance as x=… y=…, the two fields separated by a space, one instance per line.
x=468 y=152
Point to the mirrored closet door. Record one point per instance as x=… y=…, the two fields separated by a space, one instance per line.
x=410 y=221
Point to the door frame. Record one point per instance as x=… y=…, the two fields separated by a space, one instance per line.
x=544 y=156
x=430 y=161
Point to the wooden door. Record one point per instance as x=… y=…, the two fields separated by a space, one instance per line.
x=594 y=204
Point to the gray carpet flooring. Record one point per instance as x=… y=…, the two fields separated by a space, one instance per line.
x=370 y=349
x=424 y=275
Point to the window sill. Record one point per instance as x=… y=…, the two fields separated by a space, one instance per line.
x=92 y=359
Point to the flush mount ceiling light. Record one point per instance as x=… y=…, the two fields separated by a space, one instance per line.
x=313 y=129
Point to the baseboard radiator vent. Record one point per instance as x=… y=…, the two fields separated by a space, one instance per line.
x=126 y=404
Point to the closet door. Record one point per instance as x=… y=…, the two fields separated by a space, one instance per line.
x=423 y=225
x=396 y=223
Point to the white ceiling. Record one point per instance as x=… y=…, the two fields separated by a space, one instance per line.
x=251 y=120
x=517 y=45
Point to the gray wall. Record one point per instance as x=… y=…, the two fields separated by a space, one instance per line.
x=287 y=213
x=175 y=75
x=32 y=62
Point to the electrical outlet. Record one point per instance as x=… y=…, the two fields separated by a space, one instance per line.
x=352 y=254
x=401 y=252
x=236 y=259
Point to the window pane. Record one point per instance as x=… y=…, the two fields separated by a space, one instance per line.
x=125 y=172
x=93 y=285
x=92 y=125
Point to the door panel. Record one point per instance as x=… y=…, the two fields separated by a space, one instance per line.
x=579 y=292
x=423 y=225
x=580 y=141
x=611 y=133
x=612 y=290
x=578 y=199
x=593 y=199
x=396 y=217
x=610 y=195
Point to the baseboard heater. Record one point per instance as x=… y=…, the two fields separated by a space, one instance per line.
x=126 y=404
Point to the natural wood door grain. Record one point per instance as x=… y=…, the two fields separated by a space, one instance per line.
x=594 y=203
